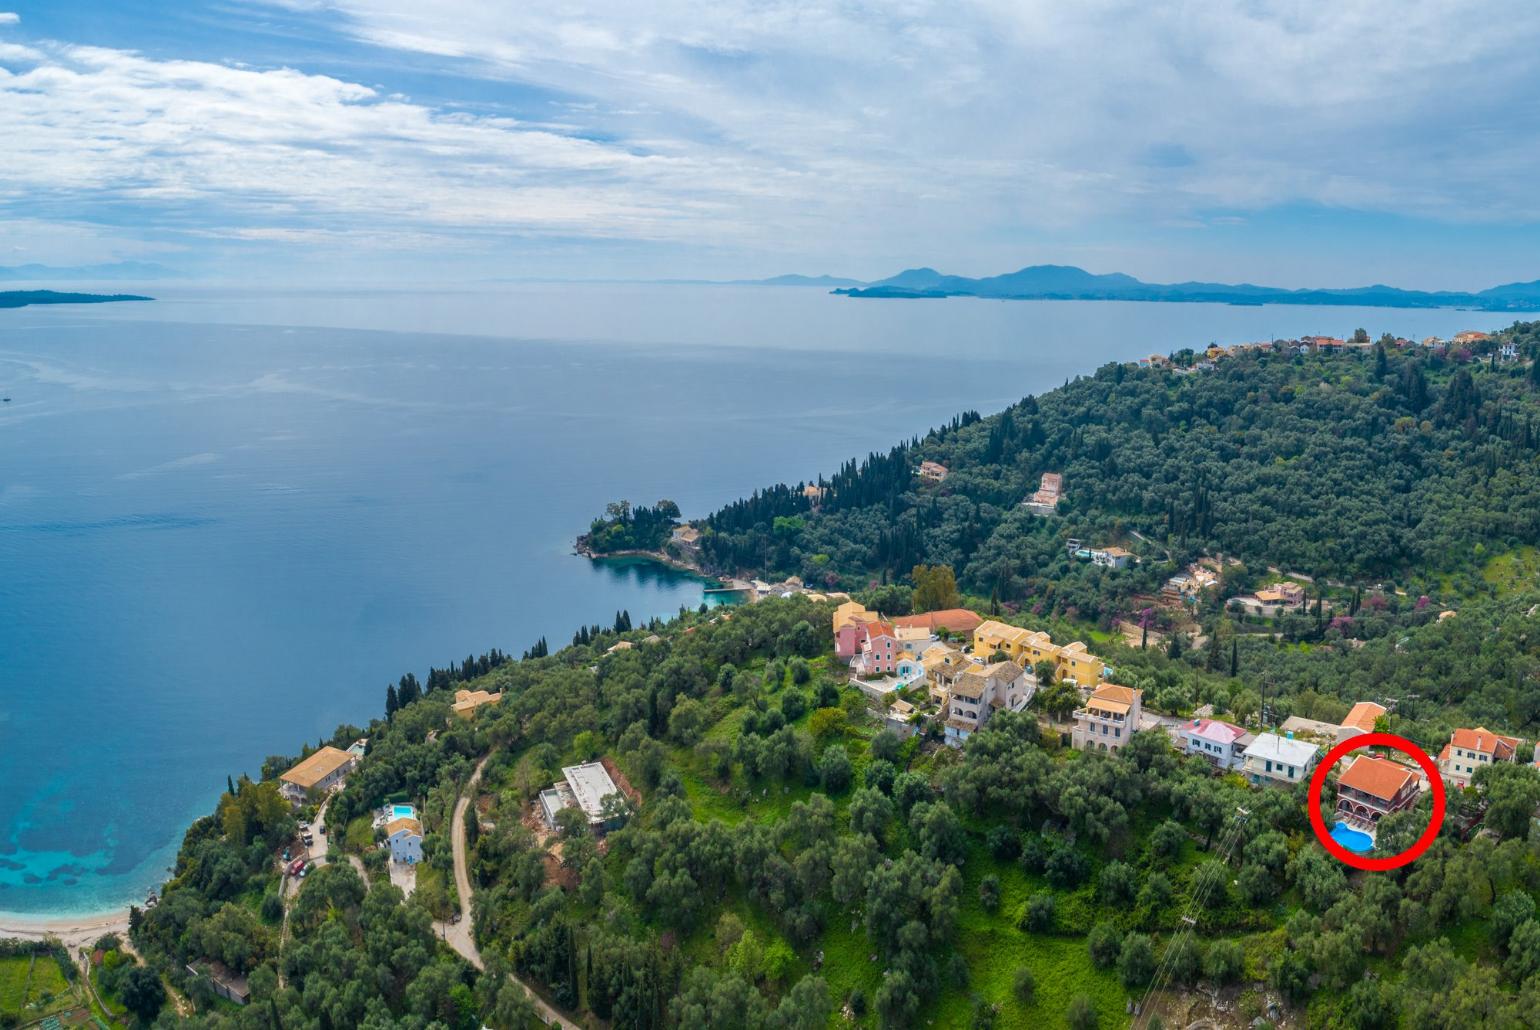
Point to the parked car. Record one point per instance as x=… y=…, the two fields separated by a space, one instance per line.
x=297 y=867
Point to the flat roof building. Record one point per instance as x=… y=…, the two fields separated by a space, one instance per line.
x=585 y=787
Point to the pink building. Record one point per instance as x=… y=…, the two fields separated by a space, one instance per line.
x=848 y=640
x=880 y=650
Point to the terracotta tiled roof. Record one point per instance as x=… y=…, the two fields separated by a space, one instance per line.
x=1115 y=693
x=1364 y=715
x=1377 y=776
x=958 y=620
x=395 y=826
x=317 y=767
x=1486 y=742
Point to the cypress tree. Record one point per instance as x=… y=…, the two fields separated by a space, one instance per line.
x=1235 y=657
x=392 y=702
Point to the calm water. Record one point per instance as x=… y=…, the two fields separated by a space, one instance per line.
x=228 y=518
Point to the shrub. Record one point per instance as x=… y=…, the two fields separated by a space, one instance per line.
x=1136 y=961
x=1003 y=843
x=1040 y=912
x=1223 y=962
x=834 y=769
x=1025 y=985
x=1105 y=942
x=989 y=893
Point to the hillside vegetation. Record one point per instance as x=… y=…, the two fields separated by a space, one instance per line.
x=789 y=864
x=1386 y=464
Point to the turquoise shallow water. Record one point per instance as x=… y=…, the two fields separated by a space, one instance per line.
x=221 y=536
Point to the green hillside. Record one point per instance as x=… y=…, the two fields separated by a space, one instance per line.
x=786 y=860
x=1394 y=464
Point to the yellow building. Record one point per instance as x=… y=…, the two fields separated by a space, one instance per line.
x=468 y=701
x=1028 y=647
x=852 y=611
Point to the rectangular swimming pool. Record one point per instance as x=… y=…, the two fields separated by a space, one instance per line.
x=403 y=812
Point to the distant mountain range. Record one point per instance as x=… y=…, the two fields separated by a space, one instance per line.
x=21 y=298
x=1066 y=282
x=115 y=270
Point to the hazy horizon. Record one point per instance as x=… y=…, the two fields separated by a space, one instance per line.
x=377 y=140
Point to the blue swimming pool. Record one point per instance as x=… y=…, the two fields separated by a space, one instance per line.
x=1353 y=840
x=403 y=812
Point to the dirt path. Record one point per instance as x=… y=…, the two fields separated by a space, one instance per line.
x=458 y=935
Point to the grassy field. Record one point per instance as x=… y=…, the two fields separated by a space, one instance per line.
x=33 y=987
x=1513 y=572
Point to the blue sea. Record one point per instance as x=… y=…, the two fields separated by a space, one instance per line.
x=229 y=517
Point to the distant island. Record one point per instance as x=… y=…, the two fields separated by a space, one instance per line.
x=1066 y=282
x=22 y=298
x=137 y=270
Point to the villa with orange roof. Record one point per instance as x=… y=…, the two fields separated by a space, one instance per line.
x=1110 y=717
x=1360 y=719
x=1372 y=788
x=880 y=650
x=1469 y=750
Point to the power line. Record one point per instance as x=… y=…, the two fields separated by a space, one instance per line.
x=1189 y=921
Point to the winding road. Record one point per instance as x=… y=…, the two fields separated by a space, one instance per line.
x=458 y=935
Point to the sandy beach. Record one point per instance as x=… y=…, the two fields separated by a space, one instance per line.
x=75 y=931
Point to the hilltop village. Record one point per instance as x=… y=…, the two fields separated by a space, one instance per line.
x=948 y=672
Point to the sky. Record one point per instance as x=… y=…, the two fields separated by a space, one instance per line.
x=1270 y=141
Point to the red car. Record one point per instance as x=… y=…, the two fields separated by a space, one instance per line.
x=295 y=866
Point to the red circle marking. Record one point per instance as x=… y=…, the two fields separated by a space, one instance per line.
x=1318 y=781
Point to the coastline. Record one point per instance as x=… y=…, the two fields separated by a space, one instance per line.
x=73 y=930
x=660 y=557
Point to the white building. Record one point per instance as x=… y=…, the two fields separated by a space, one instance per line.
x=404 y=836
x=586 y=787
x=1271 y=759
x=1222 y=743
x=1112 y=557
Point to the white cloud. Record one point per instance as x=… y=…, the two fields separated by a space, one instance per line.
x=846 y=129
x=284 y=148
x=9 y=18
x=1045 y=113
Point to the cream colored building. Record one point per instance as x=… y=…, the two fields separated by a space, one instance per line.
x=322 y=770
x=468 y=702
x=981 y=690
x=1110 y=717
